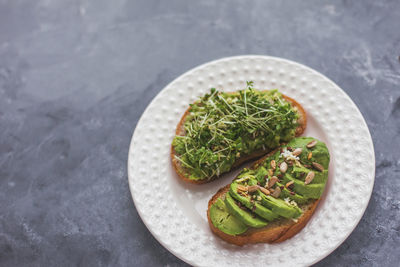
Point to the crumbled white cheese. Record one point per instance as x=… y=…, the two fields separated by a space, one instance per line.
x=290 y=202
x=288 y=155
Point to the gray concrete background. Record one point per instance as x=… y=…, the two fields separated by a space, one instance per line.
x=75 y=76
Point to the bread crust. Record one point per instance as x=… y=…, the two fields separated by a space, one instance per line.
x=180 y=131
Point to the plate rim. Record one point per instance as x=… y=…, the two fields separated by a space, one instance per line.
x=158 y=95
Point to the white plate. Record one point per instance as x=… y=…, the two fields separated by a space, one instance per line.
x=175 y=212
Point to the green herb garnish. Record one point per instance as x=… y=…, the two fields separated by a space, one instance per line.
x=222 y=127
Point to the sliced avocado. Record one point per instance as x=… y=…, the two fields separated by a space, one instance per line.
x=220 y=204
x=310 y=191
x=224 y=221
x=280 y=207
x=296 y=197
x=260 y=210
x=238 y=212
x=267 y=162
x=252 y=181
x=319 y=178
x=320 y=152
x=246 y=173
x=260 y=174
x=245 y=216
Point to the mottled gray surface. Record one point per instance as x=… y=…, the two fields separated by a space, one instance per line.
x=75 y=76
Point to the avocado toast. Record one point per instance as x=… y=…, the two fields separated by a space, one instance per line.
x=275 y=198
x=221 y=130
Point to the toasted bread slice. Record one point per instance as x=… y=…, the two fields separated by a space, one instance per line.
x=275 y=232
x=182 y=172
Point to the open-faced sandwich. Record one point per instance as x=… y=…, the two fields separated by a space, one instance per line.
x=221 y=130
x=275 y=198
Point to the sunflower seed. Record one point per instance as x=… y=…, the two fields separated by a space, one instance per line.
x=310 y=176
x=276 y=193
x=312 y=144
x=242 y=188
x=273 y=164
x=288 y=184
x=318 y=166
x=264 y=190
x=283 y=167
x=272 y=181
x=253 y=188
x=297 y=151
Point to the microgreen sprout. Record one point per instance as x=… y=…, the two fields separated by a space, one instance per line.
x=223 y=126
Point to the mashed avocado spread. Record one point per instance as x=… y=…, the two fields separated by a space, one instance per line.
x=222 y=127
x=274 y=188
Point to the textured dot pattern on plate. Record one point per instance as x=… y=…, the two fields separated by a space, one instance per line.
x=175 y=212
